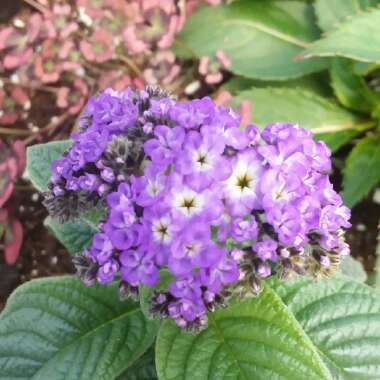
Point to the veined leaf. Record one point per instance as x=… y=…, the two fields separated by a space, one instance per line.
x=252 y=339
x=357 y=38
x=353 y=268
x=261 y=38
x=143 y=369
x=39 y=159
x=342 y=318
x=332 y=12
x=335 y=125
x=325 y=330
x=57 y=328
x=75 y=236
x=362 y=171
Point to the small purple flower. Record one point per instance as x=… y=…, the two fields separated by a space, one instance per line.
x=107 y=272
x=243 y=230
x=138 y=267
x=266 y=250
x=224 y=273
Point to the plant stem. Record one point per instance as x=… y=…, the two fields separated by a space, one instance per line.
x=16 y=131
x=131 y=65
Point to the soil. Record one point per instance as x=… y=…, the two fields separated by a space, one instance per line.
x=41 y=254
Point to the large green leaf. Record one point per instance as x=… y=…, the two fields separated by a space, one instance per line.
x=335 y=321
x=57 y=328
x=143 y=369
x=260 y=37
x=342 y=318
x=252 y=339
x=331 y=12
x=307 y=109
x=357 y=38
x=75 y=236
x=353 y=268
x=362 y=171
x=39 y=159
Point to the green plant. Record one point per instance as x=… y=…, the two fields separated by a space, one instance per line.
x=280 y=53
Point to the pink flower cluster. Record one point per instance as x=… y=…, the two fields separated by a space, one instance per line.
x=69 y=49
x=12 y=164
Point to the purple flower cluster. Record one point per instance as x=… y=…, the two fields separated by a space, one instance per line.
x=189 y=191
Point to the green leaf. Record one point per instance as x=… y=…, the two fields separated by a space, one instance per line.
x=351 y=89
x=362 y=171
x=143 y=369
x=332 y=12
x=357 y=38
x=253 y=339
x=318 y=83
x=75 y=236
x=342 y=318
x=260 y=37
x=57 y=328
x=353 y=268
x=94 y=217
x=307 y=109
x=39 y=159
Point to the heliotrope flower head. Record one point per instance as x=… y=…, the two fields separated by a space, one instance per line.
x=188 y=191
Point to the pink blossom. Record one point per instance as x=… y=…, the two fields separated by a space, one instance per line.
x=59 y=22
x=118 y=80
x=12 y=164
x=99 y=47
x=47 y=65
x=11 y=232
x=223 y=99
x=162 y=68
x=246 y=112
x=73 y=98
x=210 y=69
x=16 y=44
x=154 y=24
x=93 y=8
x=12 y=102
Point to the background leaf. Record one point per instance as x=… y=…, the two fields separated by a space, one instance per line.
x=362 y=171
x=350 y=88
x=75 y=236
x=252 y=339
x=342 y=318
x=357 y=38
x=304 y=107
x=332 y=12
x=57 y=328
x=318 y=83
x=260 y=37
x=39 y=159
